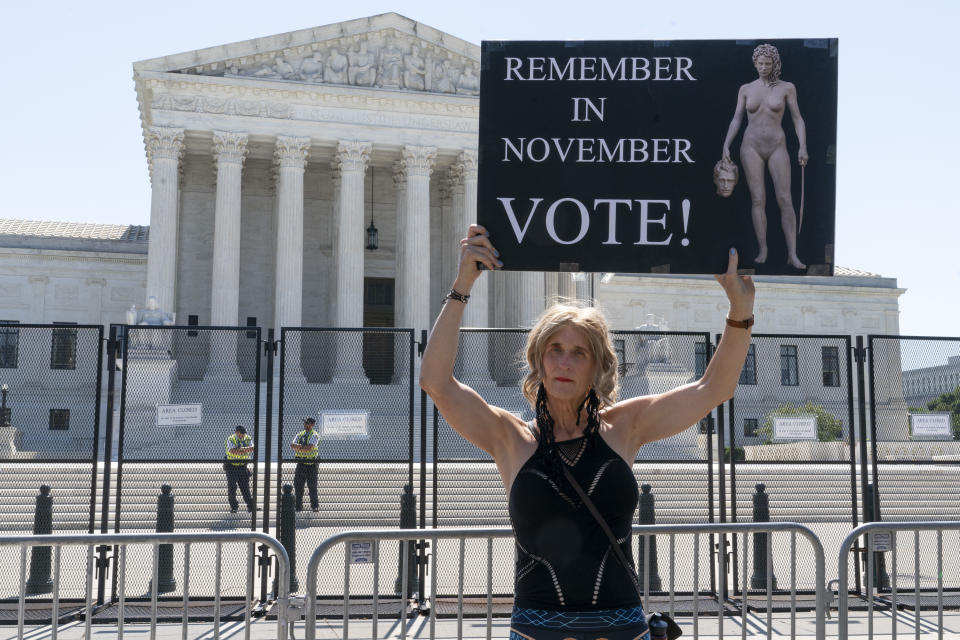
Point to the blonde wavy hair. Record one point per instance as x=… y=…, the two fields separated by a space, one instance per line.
x=593 y=324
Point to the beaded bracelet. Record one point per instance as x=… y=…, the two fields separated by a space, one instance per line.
x=456 y=295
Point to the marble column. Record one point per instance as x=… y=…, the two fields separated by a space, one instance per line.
x=462 y=178
x=509 y=309
x=477 y=312
x=164 y=151
x=290 y=157
x=583 y=288
x=567 y=284
x=229 y=151
x=351 y=159
x=334 y=230
x=413 y=241
x=401 y=347
x=530 y=297
x=34 y=350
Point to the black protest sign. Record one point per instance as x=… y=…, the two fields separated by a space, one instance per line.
x=658 y=156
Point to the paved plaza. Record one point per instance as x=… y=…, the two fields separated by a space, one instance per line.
x=708 y=628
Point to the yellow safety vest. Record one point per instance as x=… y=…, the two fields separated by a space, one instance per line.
x=232 y=443
x=303 y=438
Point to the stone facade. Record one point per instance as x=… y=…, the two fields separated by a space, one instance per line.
x=70 y=272
x=301 y=124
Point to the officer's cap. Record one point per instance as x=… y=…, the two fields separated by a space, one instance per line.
x=242 y=429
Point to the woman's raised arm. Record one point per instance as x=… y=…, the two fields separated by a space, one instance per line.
x=461 y=406
x=654 y=417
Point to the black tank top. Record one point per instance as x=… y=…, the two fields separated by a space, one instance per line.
x=564 y=559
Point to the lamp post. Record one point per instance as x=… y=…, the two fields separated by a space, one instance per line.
x=4 y=422
x=372 y=239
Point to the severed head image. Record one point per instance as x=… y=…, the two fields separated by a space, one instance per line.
x=725 y=176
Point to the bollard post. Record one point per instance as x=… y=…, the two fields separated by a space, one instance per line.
x=287 y=532
x=165 y=580
x=408 y=520
x=39 y=580
x=881 y=579
x=761 y=513
x=646 y=516
x=658 y=629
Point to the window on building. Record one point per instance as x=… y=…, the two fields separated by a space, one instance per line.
x=749 y=427
x=193 y=321
x=620 y=347
x=831 y=366
x=9 y=345
x=748 y=375
x=788 y=365
x=251 y=322
x=59 y=419
x=700 y=358
x=63 y=346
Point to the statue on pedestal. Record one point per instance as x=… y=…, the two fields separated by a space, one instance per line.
x=150 y=315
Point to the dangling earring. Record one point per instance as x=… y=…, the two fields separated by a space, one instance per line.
x=593 y=412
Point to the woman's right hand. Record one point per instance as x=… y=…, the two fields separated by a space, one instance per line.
x=476 y=248
x=725 y=154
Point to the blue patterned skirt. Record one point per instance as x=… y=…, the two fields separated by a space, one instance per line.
x=611 y=624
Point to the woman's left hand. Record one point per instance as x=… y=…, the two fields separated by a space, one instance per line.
x=802 y=156
x=739 y=289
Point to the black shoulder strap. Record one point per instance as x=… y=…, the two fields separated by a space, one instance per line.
x=606 y=529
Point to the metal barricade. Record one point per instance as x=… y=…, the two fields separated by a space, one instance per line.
x=374 y=537
x=121 y=541
x=882 y=539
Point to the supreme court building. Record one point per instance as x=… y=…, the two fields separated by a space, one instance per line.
x=273 y=160
x=270 y=159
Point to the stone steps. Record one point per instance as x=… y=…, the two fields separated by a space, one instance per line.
x=468 y=494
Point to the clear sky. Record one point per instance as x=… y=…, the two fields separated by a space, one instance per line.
x=72 y=148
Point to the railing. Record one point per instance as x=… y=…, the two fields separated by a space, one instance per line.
x=407 y=536
x=882 y=538
x=123 y=540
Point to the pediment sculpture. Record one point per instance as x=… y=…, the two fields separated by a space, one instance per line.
x=380 y=60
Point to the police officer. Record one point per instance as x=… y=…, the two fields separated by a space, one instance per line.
x=239 y=448
x=305 y=451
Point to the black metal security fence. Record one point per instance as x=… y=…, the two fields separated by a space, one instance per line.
x=792 y=443
x=914 y=432
x=676 y=473
x=184 y=392
x=899 y=433
x=358 y=384
x=50 y=381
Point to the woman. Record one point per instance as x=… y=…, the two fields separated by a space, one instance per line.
x=764 y=144
x=566 y=574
